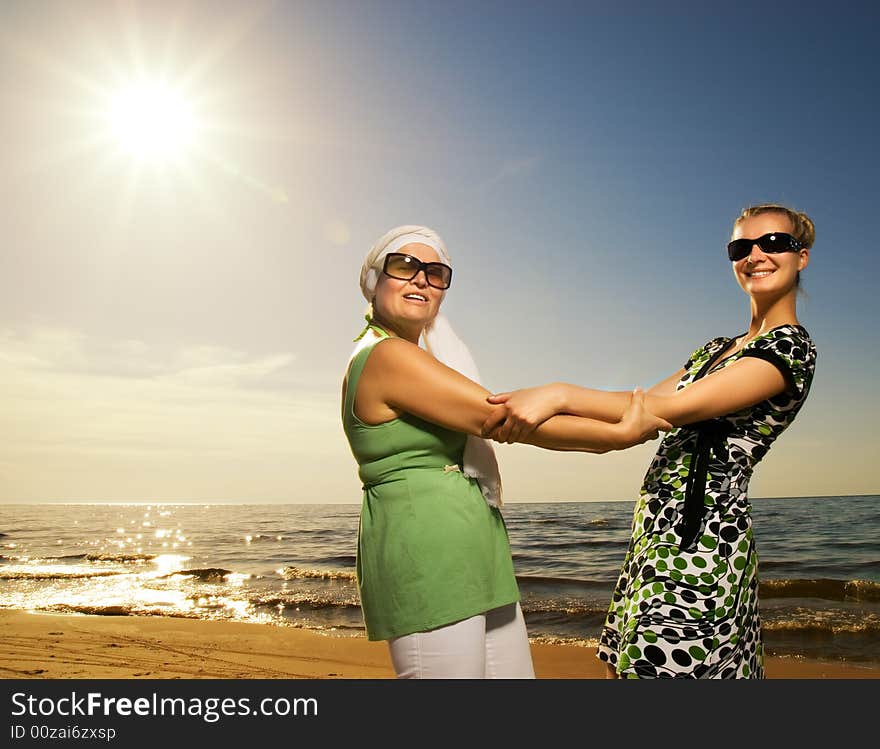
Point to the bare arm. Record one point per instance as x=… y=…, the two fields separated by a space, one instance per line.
x=400 y=377
x=667 y=386
x=535 y=405
x=528 y=408
x=739 y=385
x=566 y=432
x=608 y=405
x=575 y=433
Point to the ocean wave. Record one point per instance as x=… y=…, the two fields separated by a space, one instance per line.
x=94 y=610
x=118 y=558
x=257 y=538
x=858 y=545
x=863 y=590
x=312 y=532
x=569 y=610
x=583 y=543
x=205 y=574
x=117 y=610
x=563 y=581
x=581 y=642
x=37 y=574
x=123 y=558
x=577 y=525
x=298 y=573
x=304 y=600
x=346 y=560
x=831 y=590
x=868 y=630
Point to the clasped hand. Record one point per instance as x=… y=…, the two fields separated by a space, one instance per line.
x=525 y=410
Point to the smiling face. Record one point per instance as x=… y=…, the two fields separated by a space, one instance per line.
x=407 y=305
x=763 y=274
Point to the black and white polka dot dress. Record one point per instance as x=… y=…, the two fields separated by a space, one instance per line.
x=686 y=604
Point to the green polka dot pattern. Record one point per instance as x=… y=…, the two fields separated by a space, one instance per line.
x=693 y=611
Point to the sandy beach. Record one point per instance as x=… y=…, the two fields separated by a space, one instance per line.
x=48 y=646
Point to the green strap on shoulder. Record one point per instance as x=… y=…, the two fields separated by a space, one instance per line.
x=370 y=324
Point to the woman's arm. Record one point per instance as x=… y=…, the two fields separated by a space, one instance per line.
x=667 y=386
x=744 y=383
x=739 y=385
x=400 y=377
x=532 y=406
x=529 y=407
x=564 y=432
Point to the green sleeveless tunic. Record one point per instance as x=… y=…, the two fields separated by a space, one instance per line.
x=430 y=550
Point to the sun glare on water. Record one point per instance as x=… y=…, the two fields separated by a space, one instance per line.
x=152 y=121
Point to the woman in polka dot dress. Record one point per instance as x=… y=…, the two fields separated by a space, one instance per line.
x=686 y=603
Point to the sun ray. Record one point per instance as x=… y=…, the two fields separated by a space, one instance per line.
x=168 y=60
x=232 y=34
x=131 y=25
x=128 y=195
x=151 y=113
x=51 y=156
x=277 y=194
x=41 y=59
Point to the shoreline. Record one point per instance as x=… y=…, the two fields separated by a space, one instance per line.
x=78 y=646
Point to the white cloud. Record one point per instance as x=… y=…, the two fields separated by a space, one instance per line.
x=69 y=352
x=42 y=348
x=240 y=372
x=196 y=423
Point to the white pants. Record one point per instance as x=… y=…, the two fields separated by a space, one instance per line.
x=493 y=645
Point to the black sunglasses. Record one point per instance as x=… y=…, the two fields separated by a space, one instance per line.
x=773 y=243
x=406 y=268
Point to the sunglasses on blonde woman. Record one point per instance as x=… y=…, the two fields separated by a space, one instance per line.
x=772 y=244
x=406 y=268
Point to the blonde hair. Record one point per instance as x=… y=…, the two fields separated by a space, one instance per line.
x=803 y=229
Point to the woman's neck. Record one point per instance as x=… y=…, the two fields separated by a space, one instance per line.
x=767 y=314
x=410 y=334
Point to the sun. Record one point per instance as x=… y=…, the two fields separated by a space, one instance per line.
x=151 y=121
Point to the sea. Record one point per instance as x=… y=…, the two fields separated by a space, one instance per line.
x=294 y=565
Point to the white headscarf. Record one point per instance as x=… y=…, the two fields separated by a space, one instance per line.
x=442 y=343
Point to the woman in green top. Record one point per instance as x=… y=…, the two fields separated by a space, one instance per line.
x=434 y=569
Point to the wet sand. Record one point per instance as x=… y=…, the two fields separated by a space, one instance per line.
x=48 y=646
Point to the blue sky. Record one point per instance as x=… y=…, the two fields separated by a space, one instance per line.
x=177 y=331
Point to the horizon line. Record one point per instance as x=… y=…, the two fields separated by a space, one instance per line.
x=211 y=503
